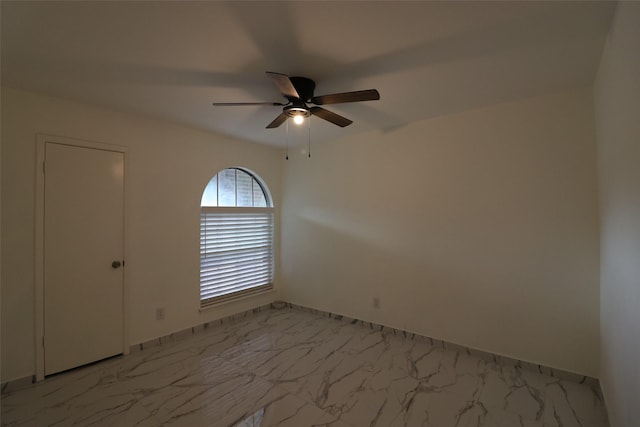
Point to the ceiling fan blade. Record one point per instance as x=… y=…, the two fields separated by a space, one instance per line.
x=340 y=98
x=329 y=116
x=284 y=84
x=242 y=104
x=277 y=121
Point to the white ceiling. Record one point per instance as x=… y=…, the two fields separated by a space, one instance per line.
x=171 y=60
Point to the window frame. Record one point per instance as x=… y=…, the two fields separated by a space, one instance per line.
x=260 y=258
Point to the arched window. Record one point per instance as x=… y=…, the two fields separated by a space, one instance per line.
x=236 y=237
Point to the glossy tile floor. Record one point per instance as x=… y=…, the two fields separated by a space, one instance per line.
x=288 y=367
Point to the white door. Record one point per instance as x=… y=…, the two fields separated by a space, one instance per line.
x=83 y=244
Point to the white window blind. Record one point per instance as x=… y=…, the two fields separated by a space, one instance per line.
x=236 y=252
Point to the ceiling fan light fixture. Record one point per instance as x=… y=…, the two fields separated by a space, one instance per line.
x=297 y=113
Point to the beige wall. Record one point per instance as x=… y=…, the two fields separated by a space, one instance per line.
x=168 y=167
x=479 y=228
x=617 y=93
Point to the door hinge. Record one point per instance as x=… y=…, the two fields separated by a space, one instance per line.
x=43 y=341
x=43 y=167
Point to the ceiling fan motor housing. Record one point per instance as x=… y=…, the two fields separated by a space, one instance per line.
x=304 y=87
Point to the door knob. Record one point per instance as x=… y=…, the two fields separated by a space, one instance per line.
x=116 y=264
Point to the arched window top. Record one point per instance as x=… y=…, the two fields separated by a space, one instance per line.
x=236 y=187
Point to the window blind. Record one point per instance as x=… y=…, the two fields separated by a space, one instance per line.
x=236 y=253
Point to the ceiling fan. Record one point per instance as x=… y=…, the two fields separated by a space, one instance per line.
x=299 y=92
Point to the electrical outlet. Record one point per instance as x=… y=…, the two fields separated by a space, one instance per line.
x=376 y=302
x=160 y=313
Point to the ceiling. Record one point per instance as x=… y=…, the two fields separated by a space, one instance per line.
x=171 y=60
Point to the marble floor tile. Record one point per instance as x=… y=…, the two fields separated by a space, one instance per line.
x=290 y=367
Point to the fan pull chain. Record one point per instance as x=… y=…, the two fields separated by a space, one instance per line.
x=309 y=127
x=287 y=141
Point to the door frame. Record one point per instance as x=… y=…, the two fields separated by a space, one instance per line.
x=41 y=141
